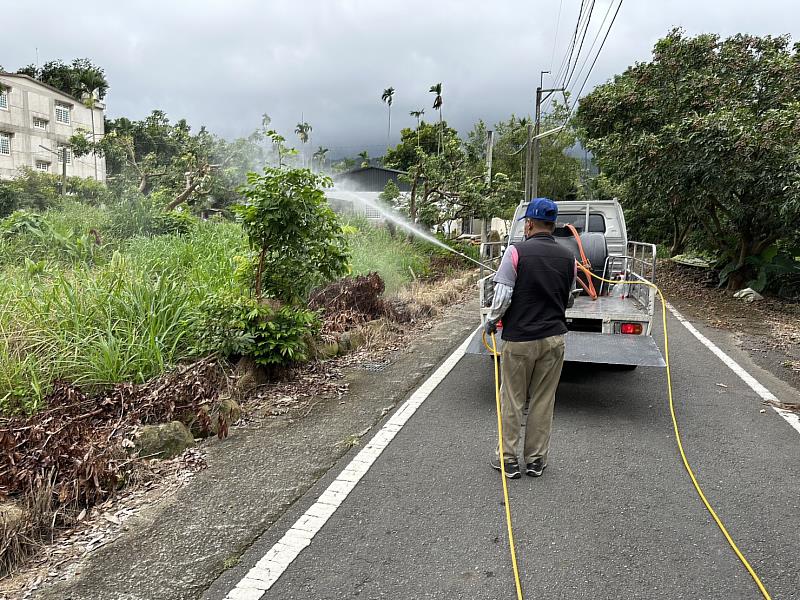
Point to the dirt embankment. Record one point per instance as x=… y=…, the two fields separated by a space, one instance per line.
x=768 y=329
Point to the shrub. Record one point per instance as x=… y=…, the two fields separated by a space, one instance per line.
x=289 y=223
x=8 y=199
x=137 y=214
x=237 y=325
x=34 y=190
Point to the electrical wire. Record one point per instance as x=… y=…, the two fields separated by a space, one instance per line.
x=555 y=37
x=574 y=40
x=584 y=31
x=567 y=58
x=594 y=62
x=596 y=37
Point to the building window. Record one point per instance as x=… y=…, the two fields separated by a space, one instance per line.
x=39 y=123
x=42 y=165
x=5 y=144
x=61 y=155
x=4 y=99
x=371 y=212
x=62 y=113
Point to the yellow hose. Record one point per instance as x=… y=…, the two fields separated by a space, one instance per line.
x=514 y=566
x=678 y=439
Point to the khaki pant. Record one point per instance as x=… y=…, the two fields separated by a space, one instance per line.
x=530 y=369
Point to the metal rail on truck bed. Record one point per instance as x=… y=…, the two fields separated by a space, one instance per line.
x=598 y=329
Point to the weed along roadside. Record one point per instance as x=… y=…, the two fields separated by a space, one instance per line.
x=121 y=352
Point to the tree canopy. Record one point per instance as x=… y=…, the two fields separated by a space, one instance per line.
x=79 y=77
x=705 y=135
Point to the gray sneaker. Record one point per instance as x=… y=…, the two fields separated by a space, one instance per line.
x=535 y=468
x=511 y=467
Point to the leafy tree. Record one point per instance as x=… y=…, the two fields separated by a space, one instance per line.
x=558 y=172
x=296 y=235
x=425 y=137
x=388 y=98
x=344 y=165
x=156 y=155
x=705 y=135
x=364 y=156
x=71 y=78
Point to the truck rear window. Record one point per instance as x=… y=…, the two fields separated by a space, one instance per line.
x=596 y=221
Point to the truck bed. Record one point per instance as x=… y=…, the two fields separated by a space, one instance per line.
x=613 y=307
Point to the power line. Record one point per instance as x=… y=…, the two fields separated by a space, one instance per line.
x=567 y=58
x=574 y=41
x=596 y=56
x=580 y=47
x=555 y=37
x=596 y=37
x=594 y=62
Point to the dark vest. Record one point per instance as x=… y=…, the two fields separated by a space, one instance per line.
x=545 y=274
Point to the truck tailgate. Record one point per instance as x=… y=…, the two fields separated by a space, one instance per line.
x=598 y=348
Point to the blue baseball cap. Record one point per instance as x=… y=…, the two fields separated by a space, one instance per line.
x=541 y=209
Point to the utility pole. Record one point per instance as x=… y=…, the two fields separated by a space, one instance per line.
x=64 y=170
x=63 y=156
x=533 y=155
x=486 y=220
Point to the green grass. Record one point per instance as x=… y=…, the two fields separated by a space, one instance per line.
x=129 y=309
x=126 y=320
x=396 y=259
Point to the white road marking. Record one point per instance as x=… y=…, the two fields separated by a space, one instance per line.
x=790 y=417
x=272 y=565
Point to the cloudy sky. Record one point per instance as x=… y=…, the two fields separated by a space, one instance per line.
x=224 y=63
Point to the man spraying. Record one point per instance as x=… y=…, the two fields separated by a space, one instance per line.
x=531 y=295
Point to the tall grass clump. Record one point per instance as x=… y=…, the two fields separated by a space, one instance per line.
x=126 y=320
x=397 y=260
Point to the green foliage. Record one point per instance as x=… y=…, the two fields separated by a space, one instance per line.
x=34 y=190
x=74 y=79
x=296 y=235
x=127 y=319
x=237 y=325
x=426 y=137
x=26 y=235
x=704 y=139
x=558 y=172
x=396 y=259
x=8 y=199
x=199 y=169
x=137 y=214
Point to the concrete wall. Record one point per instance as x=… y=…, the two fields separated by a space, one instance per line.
x=28 y=99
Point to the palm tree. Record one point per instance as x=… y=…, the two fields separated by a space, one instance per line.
x=437 y=104
x=90 y=82
x=320 y=156
x=303 y=130
x=388 y=98
x=418 y=114
x=364 y=156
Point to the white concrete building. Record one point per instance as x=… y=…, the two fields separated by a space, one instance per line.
x=36 y=122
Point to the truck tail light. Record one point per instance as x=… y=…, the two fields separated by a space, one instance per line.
x=631 y=328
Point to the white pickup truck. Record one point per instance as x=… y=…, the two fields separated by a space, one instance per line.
x=615 y=326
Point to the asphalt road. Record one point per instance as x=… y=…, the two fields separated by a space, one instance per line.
x=614 y=516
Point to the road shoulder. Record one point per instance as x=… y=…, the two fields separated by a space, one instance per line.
x=184 y=543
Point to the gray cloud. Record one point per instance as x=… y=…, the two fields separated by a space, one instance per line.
x=222 y=64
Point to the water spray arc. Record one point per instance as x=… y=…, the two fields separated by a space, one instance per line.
x=405 y=224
